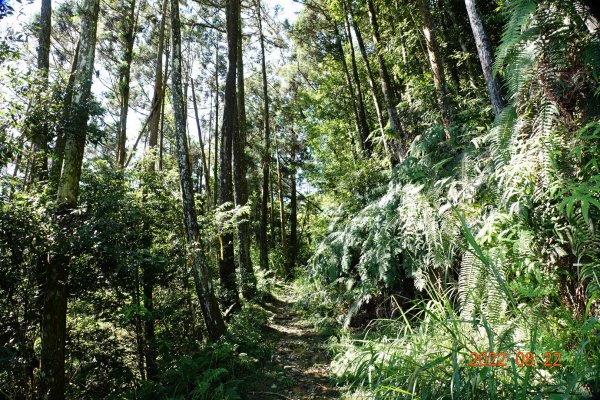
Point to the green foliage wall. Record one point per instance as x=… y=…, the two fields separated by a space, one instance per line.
x=527 y=188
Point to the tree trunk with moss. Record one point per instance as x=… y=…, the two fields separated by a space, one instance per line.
x=41 y=133
x=54 y=291
x=213 y=318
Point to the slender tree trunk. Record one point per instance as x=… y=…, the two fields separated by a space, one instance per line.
x=162 y=108
x=209 y=144
x=271 y=204
x=124 y=79
x=158 y=96
x=229 y=290
x=149 y=269
x=201 y=141
x=262 y=233
x=43 y=55
x=54 y=314
x=304 y=222
x=240 y=167
x=216 y=164
x=386 y=83
x=340 y=48
x=139 y=336
x=162 y=129
x=280 y=193
x=485 y=56
x=365 y=144
x=435 y=61
x=41 y=134
x=213 y=318
x=41 y=138
x=371 y=80
x=292 y=253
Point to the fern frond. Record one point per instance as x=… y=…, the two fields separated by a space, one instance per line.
x=521 y=12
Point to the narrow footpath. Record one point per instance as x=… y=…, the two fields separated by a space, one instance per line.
x=298 y=368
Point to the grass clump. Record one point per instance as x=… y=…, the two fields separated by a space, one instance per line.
x=428 y=355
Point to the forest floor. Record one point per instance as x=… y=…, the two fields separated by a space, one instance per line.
x=298 y=368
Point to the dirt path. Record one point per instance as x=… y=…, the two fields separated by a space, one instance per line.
x=299 y=366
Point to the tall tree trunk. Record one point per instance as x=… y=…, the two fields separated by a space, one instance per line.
x=205 y=169
x=371 y=80
x=158 y=96
x=435 y=61
x=485 y=56
x=240 y=167
x=149 y=269
x=43 y=55
x=292 y=253
x=162 y=128
x=365 y=144
x=262 y=232
x=271 y=204
x=54 y=314
x=229 y=290
x=280 y=195
x=139 y=335
x=216 y=163
x=386 y=83
x=213 y=318
x=41 y=134
x=124 y=79
x=351 y=92
x=210 y=135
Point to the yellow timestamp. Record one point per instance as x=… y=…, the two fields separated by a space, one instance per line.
x=522 y=359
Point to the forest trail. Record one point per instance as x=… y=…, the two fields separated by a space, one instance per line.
x=298 y=368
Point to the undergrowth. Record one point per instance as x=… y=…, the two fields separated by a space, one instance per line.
x=217 y=371
x=489 y=245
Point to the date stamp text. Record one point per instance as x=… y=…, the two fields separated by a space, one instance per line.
x=521 y=359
